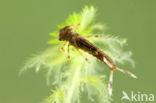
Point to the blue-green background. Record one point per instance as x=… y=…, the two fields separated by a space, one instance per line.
x=24 y=29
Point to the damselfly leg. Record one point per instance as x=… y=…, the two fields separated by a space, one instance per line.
x=83 y=56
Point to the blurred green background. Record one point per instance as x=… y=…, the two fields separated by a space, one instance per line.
x=24 y=29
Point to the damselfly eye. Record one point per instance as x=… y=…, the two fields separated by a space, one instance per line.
x=60 y=34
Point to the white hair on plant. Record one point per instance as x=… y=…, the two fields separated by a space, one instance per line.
x=78 y=76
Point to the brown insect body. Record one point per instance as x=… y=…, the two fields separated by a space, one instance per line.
x=79 y=42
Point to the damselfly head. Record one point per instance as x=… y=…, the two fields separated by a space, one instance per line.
x=65 y=32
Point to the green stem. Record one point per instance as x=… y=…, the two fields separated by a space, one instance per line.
x=73 y=85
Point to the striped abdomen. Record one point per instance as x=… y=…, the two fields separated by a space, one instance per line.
x=85 y=45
